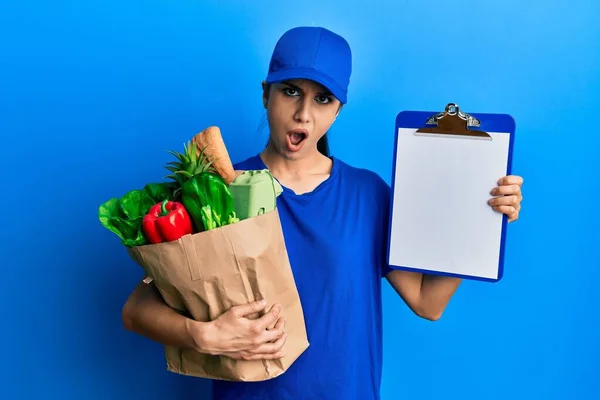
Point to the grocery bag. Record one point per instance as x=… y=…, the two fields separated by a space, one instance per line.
x=202 y=275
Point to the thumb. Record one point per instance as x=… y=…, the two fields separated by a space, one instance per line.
x=250 y=308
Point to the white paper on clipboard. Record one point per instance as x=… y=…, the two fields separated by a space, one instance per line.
x=440 y=220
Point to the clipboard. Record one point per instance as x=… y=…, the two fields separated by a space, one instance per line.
x=445 y=164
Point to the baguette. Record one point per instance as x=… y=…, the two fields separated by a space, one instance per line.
x=215 y=150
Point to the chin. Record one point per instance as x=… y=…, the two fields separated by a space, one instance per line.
x=291 y=155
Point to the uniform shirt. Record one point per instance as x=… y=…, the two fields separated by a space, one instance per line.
x=336 y=242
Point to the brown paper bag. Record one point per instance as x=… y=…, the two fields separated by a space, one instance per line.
x=205 y=274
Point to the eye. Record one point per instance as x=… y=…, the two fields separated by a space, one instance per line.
x=323 y=99
x=290 y=91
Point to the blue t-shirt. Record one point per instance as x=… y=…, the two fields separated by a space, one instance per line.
x=336 y=241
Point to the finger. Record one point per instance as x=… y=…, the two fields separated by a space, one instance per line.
x=504 y=201
x=268 y=319
x=510 y=180
x=510 y=211
x=250 y=308
x=274 y=323
x=262 y=356
x=506 y=190
x=271 y=335
x=261 y=336
x=270 y=348
x=279 y=325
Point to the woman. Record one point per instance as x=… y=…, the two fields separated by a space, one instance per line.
x=334 y=218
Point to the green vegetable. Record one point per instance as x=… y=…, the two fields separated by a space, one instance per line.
x=211 y=219
x=123 y=216
x=208 y=200
x=161 y=191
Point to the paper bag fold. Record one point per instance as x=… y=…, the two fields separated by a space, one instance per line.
x=205 y=274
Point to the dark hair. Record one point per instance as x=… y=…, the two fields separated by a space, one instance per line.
x=323 y=145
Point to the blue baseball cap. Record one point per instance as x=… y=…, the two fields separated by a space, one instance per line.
x=313 y=53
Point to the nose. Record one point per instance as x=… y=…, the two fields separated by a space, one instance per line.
x=303 y=110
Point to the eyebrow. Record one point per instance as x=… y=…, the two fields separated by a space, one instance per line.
x=325 y=92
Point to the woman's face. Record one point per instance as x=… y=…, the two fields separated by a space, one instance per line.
x=299 y=113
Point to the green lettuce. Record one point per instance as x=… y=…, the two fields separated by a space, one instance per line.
x=123 y=216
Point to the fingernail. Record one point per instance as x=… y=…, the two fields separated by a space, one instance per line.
x=262 y=302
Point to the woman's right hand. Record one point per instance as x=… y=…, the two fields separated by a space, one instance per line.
x=234 y=335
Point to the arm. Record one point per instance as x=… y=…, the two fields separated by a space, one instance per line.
x=426 y=295
x=232 y=334
x=146 y=314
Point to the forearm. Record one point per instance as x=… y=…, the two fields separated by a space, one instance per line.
x=426 y=295
x=233 y=333
x=146 y=314
x=436 y=292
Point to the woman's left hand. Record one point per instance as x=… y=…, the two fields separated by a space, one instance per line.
x=508 y=196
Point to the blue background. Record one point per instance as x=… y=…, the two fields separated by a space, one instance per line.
x=92 y=94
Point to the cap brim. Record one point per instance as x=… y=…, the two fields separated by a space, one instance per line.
x=311 y=74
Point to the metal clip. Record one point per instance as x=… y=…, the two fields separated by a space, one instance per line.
x=453 y=109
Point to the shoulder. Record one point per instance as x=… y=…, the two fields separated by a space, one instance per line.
x=249 y=163
x=364 y=178
x=371 y=190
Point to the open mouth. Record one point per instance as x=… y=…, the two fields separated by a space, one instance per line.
x=296 y=137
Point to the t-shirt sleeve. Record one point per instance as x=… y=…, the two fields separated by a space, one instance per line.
x=385 y=210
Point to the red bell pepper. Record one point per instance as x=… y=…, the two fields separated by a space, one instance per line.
x=166 y=221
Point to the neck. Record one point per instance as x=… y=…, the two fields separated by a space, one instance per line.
x=310 y=164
